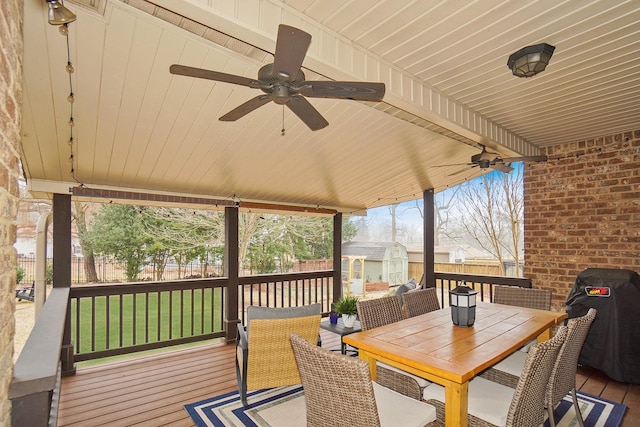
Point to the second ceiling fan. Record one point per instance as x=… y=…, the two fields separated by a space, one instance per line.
x=283 y=82
x=485 y=160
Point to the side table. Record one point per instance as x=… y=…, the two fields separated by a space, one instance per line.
x=341 y=330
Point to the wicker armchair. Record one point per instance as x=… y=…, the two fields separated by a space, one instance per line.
x=421 y=301
x=378 y=312
x=492 y=404
x=264 y=357
x=338 y=392
x=507 y=371
x=563 y=375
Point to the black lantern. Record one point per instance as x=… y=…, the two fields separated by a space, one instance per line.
x=462 y=301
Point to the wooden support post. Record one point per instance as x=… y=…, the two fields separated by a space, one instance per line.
x=429 y=239
x=337 y=257
x=231 y=270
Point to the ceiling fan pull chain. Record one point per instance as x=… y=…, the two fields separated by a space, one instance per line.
x=282 y=121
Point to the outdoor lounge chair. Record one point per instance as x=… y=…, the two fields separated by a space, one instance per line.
x=493 y=404
x=338 y=391
x=379 y=312
x=26 y=293
x=264 y=357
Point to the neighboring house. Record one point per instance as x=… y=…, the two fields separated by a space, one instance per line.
x=383 y=261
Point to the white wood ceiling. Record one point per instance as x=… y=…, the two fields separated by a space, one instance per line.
x=139 y=128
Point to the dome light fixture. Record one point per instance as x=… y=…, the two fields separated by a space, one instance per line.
x=58 y=14
x=531 y=60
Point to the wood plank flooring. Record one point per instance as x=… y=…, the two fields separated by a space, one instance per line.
x=151 y=390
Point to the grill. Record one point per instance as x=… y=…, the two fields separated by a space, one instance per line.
x=613 y=343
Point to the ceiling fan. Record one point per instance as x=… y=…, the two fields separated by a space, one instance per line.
x=485 y=160
x=283 y=82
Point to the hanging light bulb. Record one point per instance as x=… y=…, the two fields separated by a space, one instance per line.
x=71 y=122
x=71 y=98
x=70 y=142
x=64 y=29
x=58 y=14
x=69 y=68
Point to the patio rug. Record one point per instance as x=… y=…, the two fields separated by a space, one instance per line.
x=285 y=406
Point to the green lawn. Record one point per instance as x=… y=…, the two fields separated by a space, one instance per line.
x=174 y=321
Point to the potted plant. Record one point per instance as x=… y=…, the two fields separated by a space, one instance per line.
x=348 y=308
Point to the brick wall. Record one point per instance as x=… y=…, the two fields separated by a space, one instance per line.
x=582 y=210
x=11 y=14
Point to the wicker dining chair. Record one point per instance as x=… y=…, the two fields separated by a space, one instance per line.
x=378 y=312
x=421 y=301
x=492 y=404
x=522 y=297
x=264 y=357
x=563 y=375
x=338 y=391
x=507 y=371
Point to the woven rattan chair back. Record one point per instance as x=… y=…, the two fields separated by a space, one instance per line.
x=527 y=405
x=378 y=312
x=337 y=388
x=563 y=375
x=264 y=357
x=419 y=302
x=522 y=297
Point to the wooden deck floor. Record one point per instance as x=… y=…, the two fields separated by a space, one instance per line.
x=151 y=390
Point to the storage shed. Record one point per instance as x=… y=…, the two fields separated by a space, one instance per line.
x=383 y=261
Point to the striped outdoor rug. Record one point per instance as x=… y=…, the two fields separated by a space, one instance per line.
x=285 y=407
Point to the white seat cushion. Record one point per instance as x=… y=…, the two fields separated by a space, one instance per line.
x=512 y=364
x=527 y=346
x=421 y=381
x=396 y=409
x=488 y=401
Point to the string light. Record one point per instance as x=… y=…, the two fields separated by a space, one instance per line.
x=69 y=68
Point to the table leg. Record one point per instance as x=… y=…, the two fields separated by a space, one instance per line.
x=456 y=405
x=371 y=361
x=544 y=336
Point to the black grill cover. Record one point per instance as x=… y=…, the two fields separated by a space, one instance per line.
x=613 y=343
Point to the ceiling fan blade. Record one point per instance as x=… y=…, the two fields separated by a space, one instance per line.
x=366 y=91
x=306 y=112
x=461 y=170
x=525 y=159
x=244 y=109
x=502 y=167
x=291 y=48
x=200 y=73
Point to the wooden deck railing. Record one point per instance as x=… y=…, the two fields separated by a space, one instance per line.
x=481 y=283
x=286 y=290
x=109 y=320
x=36 y=374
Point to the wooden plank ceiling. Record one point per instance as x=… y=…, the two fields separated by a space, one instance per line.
x=139 y=128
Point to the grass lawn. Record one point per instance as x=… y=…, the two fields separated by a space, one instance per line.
x=121 y=321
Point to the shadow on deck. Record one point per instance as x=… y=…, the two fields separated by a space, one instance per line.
x=151 y=390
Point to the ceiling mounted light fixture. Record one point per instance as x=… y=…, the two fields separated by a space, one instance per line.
x=531 y=60
x=58 y=14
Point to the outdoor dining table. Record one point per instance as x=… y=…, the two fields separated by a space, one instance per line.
x=431 y=347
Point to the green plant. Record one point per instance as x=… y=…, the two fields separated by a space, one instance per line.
x=19 y=274
x=347 y=305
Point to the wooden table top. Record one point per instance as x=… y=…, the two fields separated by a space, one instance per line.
x=430 y=344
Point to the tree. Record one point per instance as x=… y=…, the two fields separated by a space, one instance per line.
x=80 y=216
x=492 y=210
x=118 y=230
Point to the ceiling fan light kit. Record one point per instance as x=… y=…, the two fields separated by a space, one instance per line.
x=283 y=82
x=530 y=60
